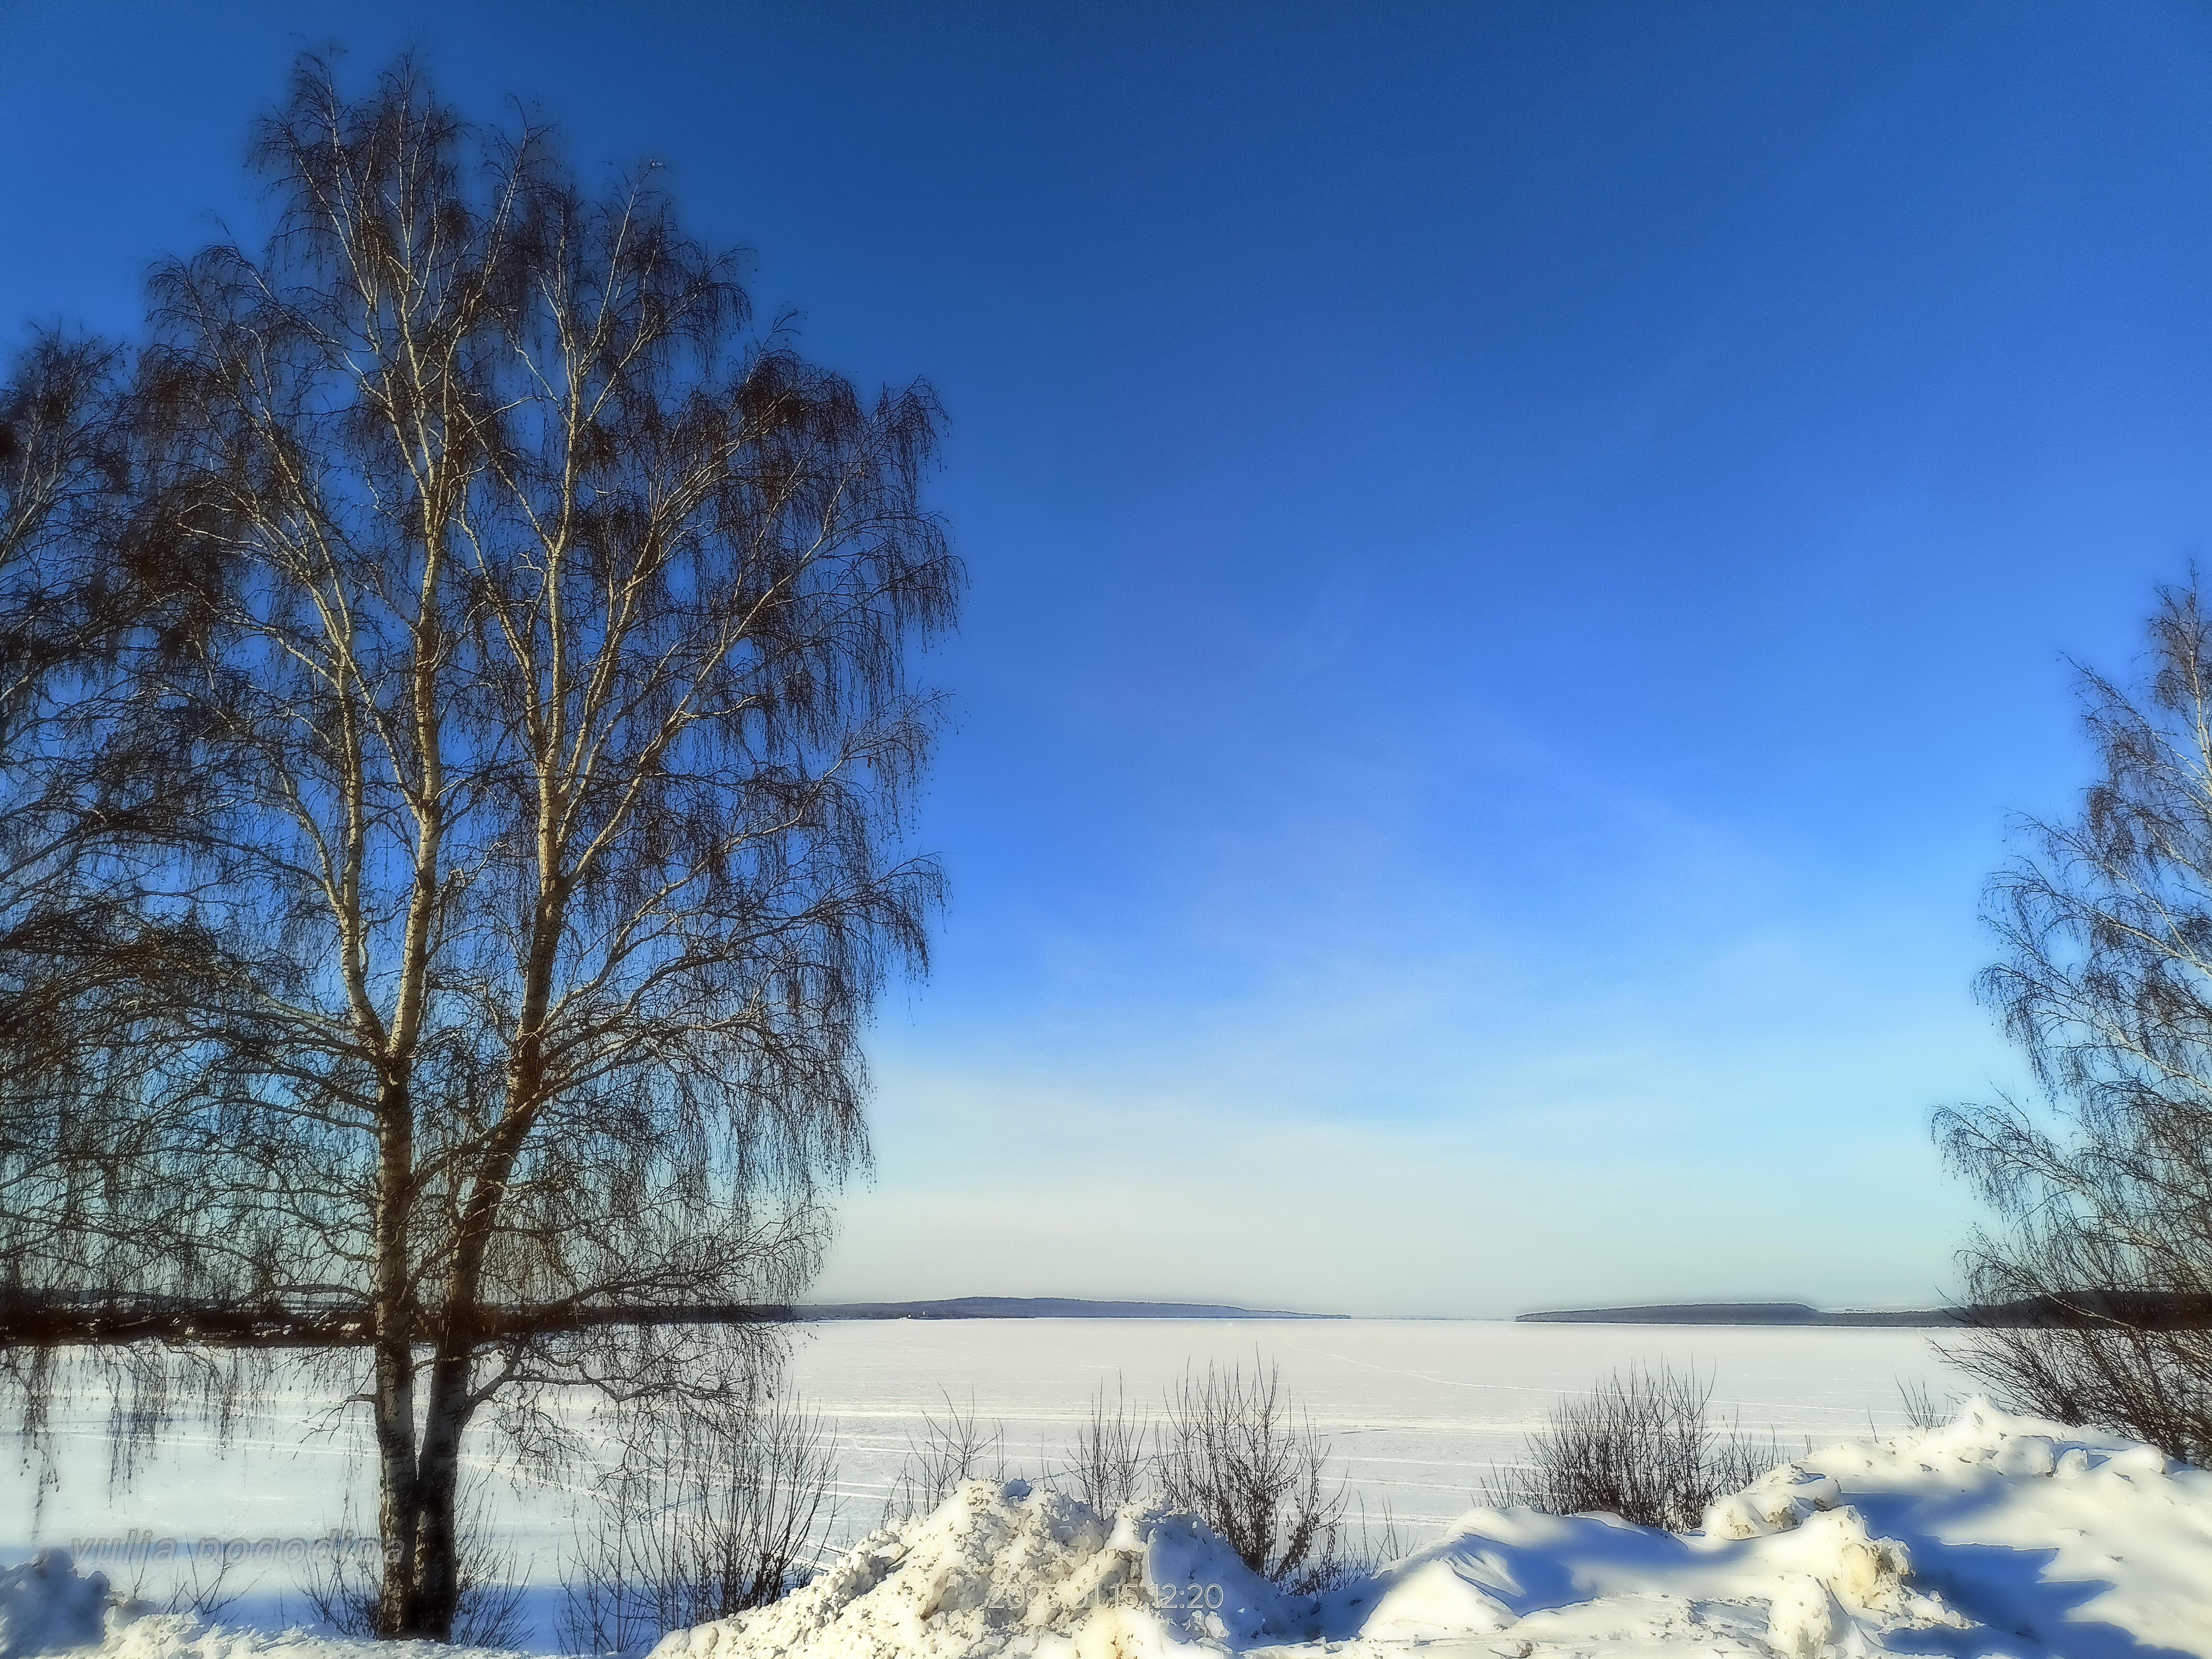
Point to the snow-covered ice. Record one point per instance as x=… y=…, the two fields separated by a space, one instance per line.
x=1417 y=1412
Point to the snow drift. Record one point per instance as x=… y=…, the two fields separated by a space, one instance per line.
x=46 y=1604
x=1996 y=1534
x=1993 y=1535
x=1004 y=1570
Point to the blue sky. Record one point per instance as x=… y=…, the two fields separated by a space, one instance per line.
x=1522 y=557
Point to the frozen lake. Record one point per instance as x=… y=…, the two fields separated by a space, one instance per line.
x=1418 y=1413
x=1418 y=1410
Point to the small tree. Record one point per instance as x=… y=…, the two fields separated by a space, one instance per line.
x=2102 y=1181
x=542 y=663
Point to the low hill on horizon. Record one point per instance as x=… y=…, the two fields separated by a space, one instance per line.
x=1744 y=1313
x=2150 y=1309
x=1039 y=1307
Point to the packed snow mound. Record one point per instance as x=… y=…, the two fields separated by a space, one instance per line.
x=47 y=1604
x=181 y=1636
x=1564 y=1582
x=1993 y=1535
x=2089 y=1545
x=1005 y=1571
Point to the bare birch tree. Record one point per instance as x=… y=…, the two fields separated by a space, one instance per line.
x=548 y=687
x=2102 y=1181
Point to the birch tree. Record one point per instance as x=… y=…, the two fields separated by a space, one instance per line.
x=550 y=688
x=2099 y=1263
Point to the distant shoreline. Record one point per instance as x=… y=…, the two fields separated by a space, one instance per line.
x=1750 y=1313
x=1036 y=1307
x=2170 y=1311
x=2145 y=1309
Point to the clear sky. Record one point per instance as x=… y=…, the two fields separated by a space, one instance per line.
x=1521 y=555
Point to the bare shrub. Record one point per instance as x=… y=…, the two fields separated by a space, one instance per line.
x=1923 y=1409
x=346 y=1589
x=1237 y=1453
x=727 y=1511
x=1368 y=1542
x=1112 y=1459
x=956 y=1447
x=206 y=1590
x=1642 y=1445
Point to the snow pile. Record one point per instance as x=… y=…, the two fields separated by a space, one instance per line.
x=1569 y=1581
x=1007 y=1571
x=182 y=1635
x=2089 y=1545
x=1992 y=1535
x=46 y=1604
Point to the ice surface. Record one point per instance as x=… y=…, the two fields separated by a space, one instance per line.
x=1419 y=1411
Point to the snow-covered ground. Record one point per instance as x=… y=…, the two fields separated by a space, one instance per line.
x=1418 y=1410
x=1993 y=1535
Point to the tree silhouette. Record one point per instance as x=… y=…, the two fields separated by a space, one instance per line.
x=537 y=634
x=2102 y=1182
